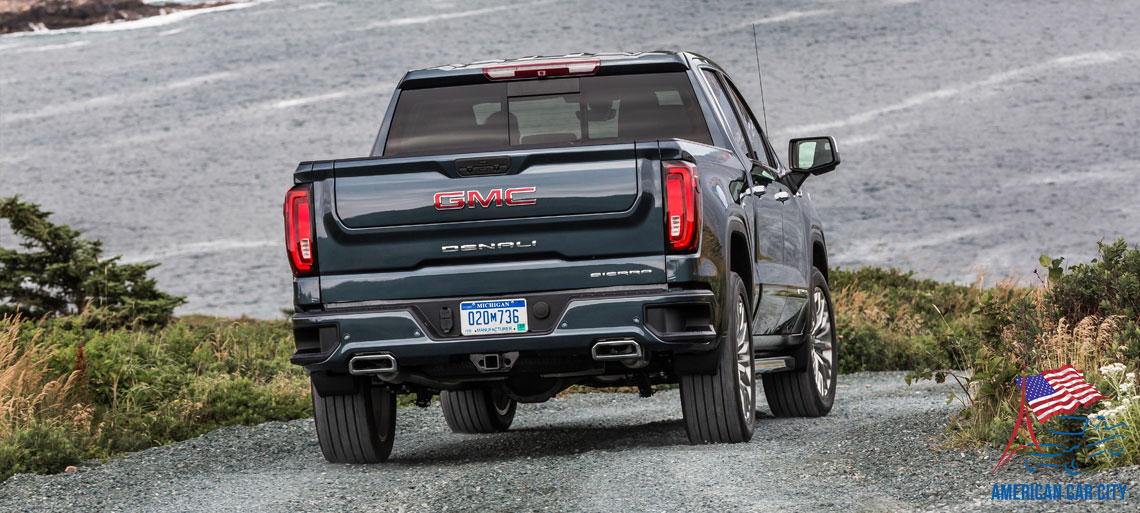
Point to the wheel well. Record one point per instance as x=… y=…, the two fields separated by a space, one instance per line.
x=819 y=258
x=738 y=261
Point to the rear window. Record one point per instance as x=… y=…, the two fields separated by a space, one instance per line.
x=552 y=112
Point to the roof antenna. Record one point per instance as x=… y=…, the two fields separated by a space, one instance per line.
x=763 y=106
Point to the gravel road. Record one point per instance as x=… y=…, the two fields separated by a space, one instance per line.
x=587 y=452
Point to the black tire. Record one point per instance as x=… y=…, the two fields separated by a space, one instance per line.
x=478 y=410
x=800 y=393
x=721 y=408
x=357 y=427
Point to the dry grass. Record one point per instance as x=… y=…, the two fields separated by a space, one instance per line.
x=1087 y=346
x=69 y=392
x=28 y=393
x=892 y=320
x=873 y=307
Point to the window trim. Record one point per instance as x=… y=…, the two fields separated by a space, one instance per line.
x=773 y=159
x=723 y=117
x=725 y=85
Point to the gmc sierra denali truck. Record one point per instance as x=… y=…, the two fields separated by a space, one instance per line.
x=526 y=225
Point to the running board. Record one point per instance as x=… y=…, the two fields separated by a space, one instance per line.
x=777 y=364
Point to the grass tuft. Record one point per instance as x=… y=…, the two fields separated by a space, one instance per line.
x=68 y=393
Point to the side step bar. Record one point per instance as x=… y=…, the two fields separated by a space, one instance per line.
x=372 y=365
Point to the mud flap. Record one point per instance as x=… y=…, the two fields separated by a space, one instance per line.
x=329 y=384
x=703 y=363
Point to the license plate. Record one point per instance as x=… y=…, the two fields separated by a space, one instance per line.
x=492 y=316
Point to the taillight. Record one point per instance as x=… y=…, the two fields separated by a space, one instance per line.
x=542 y=69
x=299 y=229
x=682 y=206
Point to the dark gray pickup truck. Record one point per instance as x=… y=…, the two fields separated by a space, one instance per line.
x=526 y=225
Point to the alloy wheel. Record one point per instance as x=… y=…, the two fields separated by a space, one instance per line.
x=823 y=342
x=746 y=375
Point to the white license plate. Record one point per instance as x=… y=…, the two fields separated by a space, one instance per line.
x=492 y=316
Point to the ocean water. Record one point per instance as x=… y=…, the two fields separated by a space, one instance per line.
x=975 y=135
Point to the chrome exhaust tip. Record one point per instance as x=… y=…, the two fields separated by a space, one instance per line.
x=616 y=350
x=372 y=365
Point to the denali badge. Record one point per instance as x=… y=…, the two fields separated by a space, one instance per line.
x=494 y=245
x=632 y=272
x=469 y=199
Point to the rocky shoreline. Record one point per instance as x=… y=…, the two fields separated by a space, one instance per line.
x=40 y=15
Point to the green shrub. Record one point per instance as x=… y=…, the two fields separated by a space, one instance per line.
x=1084 y=315
x=887 y=319
x=59 y=273
x=42 y=445
x=137 y=388
x=1107 y=286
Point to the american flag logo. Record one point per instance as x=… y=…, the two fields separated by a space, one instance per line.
x=1057 y=392
x=1050 y=393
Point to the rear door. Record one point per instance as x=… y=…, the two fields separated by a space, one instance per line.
x=782 y=294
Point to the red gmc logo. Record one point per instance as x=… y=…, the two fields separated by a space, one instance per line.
x=496 y=197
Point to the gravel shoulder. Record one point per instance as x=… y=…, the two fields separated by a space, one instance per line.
x=587 y=452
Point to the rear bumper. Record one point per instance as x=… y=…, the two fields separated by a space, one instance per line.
x=411 y=331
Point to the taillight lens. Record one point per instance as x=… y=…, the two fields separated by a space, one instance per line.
x=299 y=229
x=682 y=206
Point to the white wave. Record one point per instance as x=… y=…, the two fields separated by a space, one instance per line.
x=317 y=5
x=199 y=248
x=1065 y=62
x=877 y=252
x=383 y=88
x=142 y=23
x=115 y=98
x=10 y=160
x=1102 y=174
x=296 y=102
x=45 y=48
x=199 y=80
x=63 y=108
x=1089 y=59
x=858 y=140
x=171 y=32
x=788 y=16
x=416 y=20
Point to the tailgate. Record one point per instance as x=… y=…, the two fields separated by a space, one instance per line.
x=427 y=190
x=491 y=224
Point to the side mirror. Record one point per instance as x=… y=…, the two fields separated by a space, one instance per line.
x=813 y=155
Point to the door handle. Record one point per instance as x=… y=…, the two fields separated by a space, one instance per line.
x=782 y=196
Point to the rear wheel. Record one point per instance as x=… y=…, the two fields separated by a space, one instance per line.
x=811 y=391
x=721 y=408
x=358 y=427
x=478 y=410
